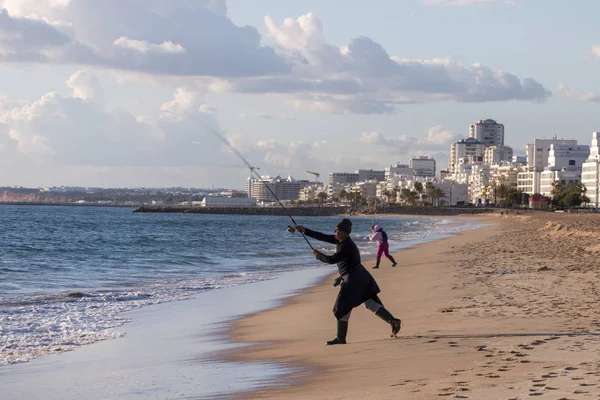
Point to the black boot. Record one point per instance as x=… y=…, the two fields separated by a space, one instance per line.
x=377 y=264
x=389 y=318
x=342 y=330
x=394 y=263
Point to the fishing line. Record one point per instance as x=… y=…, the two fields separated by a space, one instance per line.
x=253 y=171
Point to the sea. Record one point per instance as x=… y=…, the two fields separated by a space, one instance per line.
x=67 y=274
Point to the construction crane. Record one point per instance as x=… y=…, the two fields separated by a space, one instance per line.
x=316 y=174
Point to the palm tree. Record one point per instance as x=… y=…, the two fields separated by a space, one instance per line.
x=436 y=194
x=428 y=189
x=386 y=193
x=419 y=189
x=395 y=192
x=343 y=195
x=502 y=192
x=321 y=196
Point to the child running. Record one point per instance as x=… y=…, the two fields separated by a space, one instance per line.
x=378 y=235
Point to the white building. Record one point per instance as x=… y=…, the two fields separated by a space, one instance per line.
x=226 y=202
x=344 y=178
x=284 y=189
x=366 y=189
x=423 y=166
x=370 y=175
x=311 y=192
x=488 y=132
x=590 y=176
x=402 y=170
x=539 y=152
x=564 y=165
x=528 y=180
x=567 y=156
x=470 y=150
x=548 y=177
x=453 y=193
x=495 y=155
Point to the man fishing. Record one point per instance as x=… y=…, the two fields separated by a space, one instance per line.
x=357 y=284
x=379 y=236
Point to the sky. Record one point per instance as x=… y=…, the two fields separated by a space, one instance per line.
x=141 y=93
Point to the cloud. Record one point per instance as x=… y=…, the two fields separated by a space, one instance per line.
x=266 y=116
x=207 y=109
x=588 y=97
x=596 y=50
x=195 y=40
x=466 y=2
x=73 y=130
x=144 y=47
x=86 y=87
x=437 y=139
x=183 y=38
x=256 y=115
x=58 y=136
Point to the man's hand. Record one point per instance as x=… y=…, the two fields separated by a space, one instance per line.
x=337 y=281
x=300 y=228
x=314 y=253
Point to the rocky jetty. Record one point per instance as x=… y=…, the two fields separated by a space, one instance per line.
x=318 y=211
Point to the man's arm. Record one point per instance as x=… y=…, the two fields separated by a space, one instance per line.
x=317 y=235
x=336 y=257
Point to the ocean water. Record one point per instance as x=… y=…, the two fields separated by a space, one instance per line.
x=68 y=273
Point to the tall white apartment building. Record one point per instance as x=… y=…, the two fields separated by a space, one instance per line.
x=564 y=164
x=539 y=151
x=470 y=150
x=496 y=155
x=488 y=132
x=590 y=176
x=423 y=166
x=538 y=158
x=567 y=156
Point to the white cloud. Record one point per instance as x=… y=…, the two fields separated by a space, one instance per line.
x=207 y=109
x=267 y=116
x=85 y=86
x=256 y=115
x=144 y=47
x=437 y=139
x=195 y=40
x=588 y=97
x=596 y=50
x=183 y=38
x=466 y=2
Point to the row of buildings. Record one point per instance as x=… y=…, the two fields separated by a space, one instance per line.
x=478 y=165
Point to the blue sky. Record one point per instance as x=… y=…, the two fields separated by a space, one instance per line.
x=120 y=93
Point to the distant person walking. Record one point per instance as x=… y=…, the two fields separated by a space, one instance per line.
x=357 y=284
x=378 y=235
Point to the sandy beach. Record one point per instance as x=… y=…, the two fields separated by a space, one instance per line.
x=506 y=311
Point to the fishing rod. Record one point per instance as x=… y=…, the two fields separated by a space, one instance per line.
x=253 y=171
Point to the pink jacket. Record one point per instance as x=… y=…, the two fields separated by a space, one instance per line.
x=377 y=236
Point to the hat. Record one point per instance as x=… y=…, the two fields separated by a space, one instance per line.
x=376 y=228
x=345 y=225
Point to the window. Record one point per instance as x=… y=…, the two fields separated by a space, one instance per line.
x=571 y=162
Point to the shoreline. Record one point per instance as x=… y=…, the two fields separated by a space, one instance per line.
x=164 y=354
x=304 y=368
x=505 y=311
x=121 y=356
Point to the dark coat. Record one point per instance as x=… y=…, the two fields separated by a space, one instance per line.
x=358 y=284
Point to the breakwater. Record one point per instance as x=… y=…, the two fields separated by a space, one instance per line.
x=318 y=211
